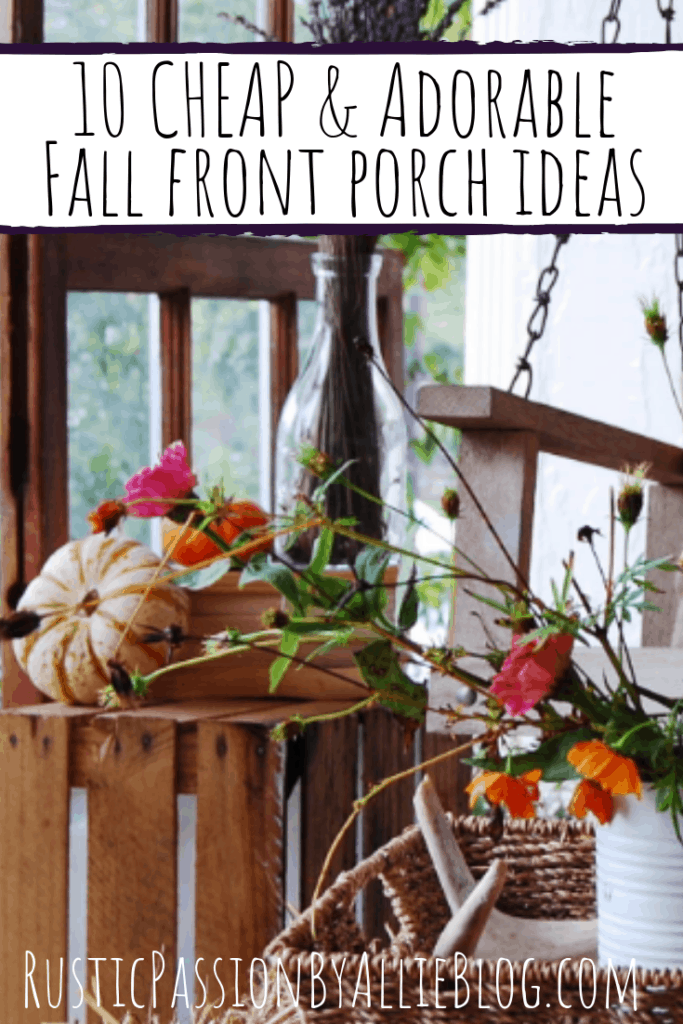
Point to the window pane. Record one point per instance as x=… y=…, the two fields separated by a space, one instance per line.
x=200 y=22
x=301 y=33
x=225 y=395
x=108 y=401
x=94 y=21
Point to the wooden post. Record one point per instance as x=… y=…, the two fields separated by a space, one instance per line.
x=176 y=368
x=500 y=467
x=33 y=456
x=664 y=536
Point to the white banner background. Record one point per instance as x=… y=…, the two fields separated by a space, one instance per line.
x=410 y=167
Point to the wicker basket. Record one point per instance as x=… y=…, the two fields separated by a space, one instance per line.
x=551 y=875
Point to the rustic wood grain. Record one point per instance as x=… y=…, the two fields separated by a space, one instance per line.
x=33 y=472
x=281 y=20
x=34 y=830
x=239 y=849
x=46 y=512
x=132 y=842
x=384 y=754
x=448 y=777
x=13 y=442
x=328 y=791
x=162 y=21
x=664 y=536
x=21 y=21
x=176 y=368
x=501 y=469
x=215 y=266
x=562 y=433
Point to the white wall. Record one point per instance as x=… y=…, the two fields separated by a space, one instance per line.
x=594 y=358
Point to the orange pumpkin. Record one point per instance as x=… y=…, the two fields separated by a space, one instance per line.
x=194 y=546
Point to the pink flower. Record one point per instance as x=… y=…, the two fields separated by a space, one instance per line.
x=528 y=673
x=172 y=478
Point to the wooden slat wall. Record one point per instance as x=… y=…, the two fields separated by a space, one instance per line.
x=328 y=791
x=34 y=844
x=239 y=878
x=384 y=754
x=33 y=459
x=132 y=884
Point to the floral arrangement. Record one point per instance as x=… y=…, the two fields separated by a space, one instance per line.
x=599 y=734
x=588 y=730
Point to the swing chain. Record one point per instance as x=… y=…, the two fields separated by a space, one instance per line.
x=539 y=317
x=489 y=6
x=612 y=18
x=668 y=13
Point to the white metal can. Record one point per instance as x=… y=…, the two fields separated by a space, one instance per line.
x=639 y=865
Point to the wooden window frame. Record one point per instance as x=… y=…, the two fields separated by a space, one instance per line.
x=22 y=21
x=37 y=272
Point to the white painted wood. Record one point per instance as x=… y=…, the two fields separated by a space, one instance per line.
x=656 y=668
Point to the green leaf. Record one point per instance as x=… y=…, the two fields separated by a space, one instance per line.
x=371 y=564
x=333 y=478
x=338 y=639
x=198 y=579
x=408 y=612
x=379 y=665
x=322 y=551
x=289 y=645
x=279 y=576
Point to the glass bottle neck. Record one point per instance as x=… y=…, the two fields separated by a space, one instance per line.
x=346 y=294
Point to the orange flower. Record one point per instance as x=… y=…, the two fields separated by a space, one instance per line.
x=106 y=516
x=589 y=796
x=518 y=794
x=595 y=760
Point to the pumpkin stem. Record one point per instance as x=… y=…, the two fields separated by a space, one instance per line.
x=90 y=602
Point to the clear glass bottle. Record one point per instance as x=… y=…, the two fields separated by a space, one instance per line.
x=342 y=406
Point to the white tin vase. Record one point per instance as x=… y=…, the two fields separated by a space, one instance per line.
x=639 y=866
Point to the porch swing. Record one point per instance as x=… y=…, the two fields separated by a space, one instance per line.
x=503 y=434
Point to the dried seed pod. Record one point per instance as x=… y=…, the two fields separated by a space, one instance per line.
x=19 y=624
x=450 y=503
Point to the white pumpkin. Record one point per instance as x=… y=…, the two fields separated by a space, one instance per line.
x=86 y=593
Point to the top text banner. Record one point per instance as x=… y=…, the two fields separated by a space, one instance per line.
x=446 y=137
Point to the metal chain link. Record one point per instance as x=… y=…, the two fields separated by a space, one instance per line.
x=668 y=13
x=612 y=18
x=538 y=319
x=489 y=6
x=548 y=277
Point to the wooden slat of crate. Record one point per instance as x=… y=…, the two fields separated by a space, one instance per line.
x=384 y=754
x=132 y=888
x=450 y=776
x=239 y=868
x=328 y=791
x=34 y=823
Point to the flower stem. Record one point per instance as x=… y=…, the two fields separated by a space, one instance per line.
x=370 y=795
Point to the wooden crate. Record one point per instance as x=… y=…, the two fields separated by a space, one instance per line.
x=133 y=765
x=223 y=605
